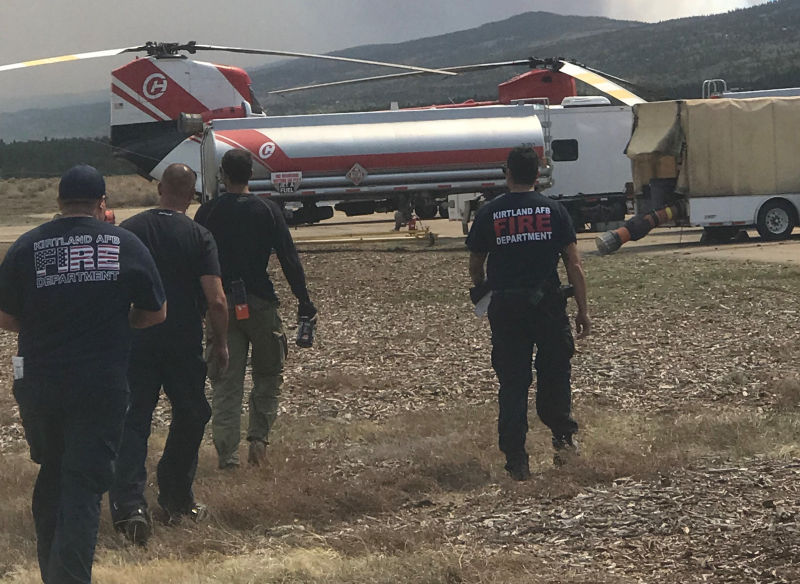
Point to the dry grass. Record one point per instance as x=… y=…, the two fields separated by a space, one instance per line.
x=29 y=201
x=303 y=518
x=788 y=393
x=384 y=465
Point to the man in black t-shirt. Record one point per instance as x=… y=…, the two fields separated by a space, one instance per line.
x=524 y=234
x=73 y=288
x=171 y=355
x=247 y=228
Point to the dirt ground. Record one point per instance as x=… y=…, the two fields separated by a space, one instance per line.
x=385 y=454
x=674 y=240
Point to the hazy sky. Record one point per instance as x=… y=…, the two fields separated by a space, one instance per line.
x=32 y=29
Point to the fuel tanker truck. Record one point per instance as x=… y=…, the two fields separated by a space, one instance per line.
x=722 y=164
x=364 y=162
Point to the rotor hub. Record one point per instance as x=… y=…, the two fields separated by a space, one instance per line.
x=167 y=50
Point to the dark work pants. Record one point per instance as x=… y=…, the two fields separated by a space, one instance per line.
x=178 y=366
x=73 y=432
x=518 y=327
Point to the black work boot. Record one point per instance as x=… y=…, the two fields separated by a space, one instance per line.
x=197 y=512
x=136 y=527
x=517 y=466
x=171 y=513
x=565 y=450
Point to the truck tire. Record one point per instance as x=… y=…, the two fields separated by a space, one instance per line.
x=444 y=210
x=776 y=220
x=426 y=211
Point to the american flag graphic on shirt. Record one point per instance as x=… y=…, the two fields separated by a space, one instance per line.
x=76 y=259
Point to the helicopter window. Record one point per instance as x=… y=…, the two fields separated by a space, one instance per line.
x=565 y=150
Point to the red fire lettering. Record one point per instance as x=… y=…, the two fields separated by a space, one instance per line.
x=500 y=226
x=543 y=223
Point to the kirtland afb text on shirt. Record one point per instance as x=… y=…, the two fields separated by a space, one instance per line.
x=526 y=224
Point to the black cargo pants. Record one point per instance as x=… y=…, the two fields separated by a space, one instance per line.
x=178 y=366
x=73 y=429
x=518 y=325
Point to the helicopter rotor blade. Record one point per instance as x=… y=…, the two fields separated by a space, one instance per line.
x=600 y=82
x=170 y=49
x=597 y=79
x=456 y=69
x=66 y=58
x=324 y=57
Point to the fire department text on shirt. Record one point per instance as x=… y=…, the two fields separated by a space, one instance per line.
x=74 y=259
x=524 y=237
x=521 y=225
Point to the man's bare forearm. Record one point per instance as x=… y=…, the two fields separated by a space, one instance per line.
x=576 y=276
x=476 y=268
x=218 y=320
x=217 y=306
x=9 y=322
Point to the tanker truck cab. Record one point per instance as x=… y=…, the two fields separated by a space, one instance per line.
x=591 y=176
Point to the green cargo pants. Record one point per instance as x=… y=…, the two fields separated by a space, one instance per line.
x=264 y=332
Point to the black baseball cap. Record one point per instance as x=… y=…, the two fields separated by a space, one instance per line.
x=81 y=182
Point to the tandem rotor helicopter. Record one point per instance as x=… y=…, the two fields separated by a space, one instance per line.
x=167 y=107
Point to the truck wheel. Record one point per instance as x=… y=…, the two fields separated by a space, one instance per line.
x=426 y=211
x=444 y=210
x=579 y=223
x=776 y=220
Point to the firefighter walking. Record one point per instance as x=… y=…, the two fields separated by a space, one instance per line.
x=170 y=355
x=73 y=288
x=247 y=229
x=524 y=234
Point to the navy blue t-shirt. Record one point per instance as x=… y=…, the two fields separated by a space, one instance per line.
x=524 y=235
x=70 y=283
x=183 y=251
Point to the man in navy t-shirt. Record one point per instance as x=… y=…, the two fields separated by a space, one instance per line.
x=171 y=355
x=73 y=288
x=524 y=234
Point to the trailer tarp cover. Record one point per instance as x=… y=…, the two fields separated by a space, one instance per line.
x=719 y=146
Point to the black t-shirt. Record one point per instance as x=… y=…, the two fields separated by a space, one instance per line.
x=524 y=234
x=70 y=283
x=183 y=251
x=247 y=228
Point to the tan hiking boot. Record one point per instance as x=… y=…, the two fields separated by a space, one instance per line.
x=257 y=455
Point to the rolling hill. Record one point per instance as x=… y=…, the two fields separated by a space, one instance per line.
x=752 y=48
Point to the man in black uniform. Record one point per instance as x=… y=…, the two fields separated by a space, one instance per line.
x=67 y=287
x=247 y=228
x=171 y=355
x=524 y=234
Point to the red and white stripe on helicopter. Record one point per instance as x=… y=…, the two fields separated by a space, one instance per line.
x=148 y=90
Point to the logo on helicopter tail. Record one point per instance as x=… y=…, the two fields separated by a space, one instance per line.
x=154 y=86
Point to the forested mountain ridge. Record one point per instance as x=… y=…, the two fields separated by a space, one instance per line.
x=751 y=48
